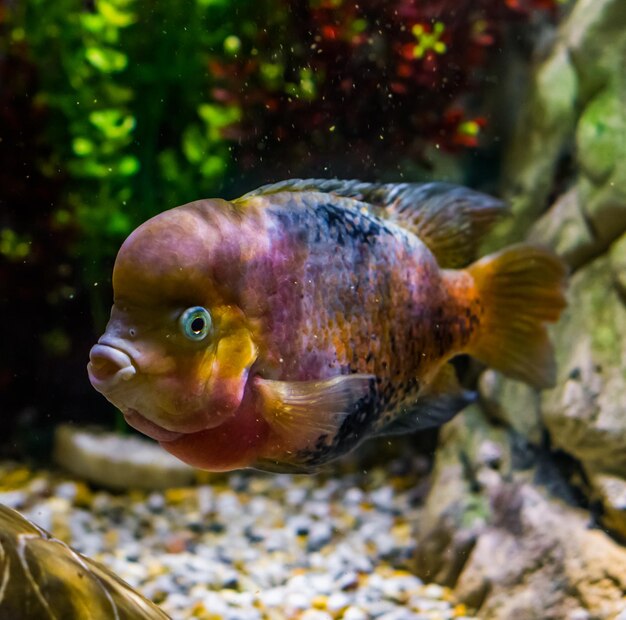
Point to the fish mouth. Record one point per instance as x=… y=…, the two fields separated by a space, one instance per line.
x=151 y=429
x=108 y=366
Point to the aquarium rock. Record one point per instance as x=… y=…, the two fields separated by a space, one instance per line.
x=583 y=416
x=578 y=89
x=118 y=461
x=509 y=538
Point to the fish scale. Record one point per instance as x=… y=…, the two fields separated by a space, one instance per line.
x=368 y=283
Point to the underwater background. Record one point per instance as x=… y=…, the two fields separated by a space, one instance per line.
x=112 y=111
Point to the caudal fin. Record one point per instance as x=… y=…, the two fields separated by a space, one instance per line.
x=520 y=288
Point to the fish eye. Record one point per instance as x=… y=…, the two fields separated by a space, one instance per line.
x=195 y=323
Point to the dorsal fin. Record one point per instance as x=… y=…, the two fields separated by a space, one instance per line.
x=451 y=220
x=344 y=188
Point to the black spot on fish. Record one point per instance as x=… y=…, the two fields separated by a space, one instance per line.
x=343 y=225
x=354 y=428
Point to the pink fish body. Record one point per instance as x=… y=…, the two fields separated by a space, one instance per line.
x=282 y=329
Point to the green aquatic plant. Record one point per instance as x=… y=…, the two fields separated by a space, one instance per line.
x=128 y=138
x=13 y=246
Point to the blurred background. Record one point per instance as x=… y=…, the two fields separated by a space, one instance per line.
x=114 y=110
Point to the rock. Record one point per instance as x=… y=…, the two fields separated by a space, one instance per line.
x=543 y=561
x=585 y=412
x=542 y=133
x=579 y=86
x=617 y=257
x=598 y=134
x=565 y=228
x=455 y=511
x=611 y=492
x=595 y=32
x=512 y=402
x=508 y=547
x=507 y=521
x=118 y=461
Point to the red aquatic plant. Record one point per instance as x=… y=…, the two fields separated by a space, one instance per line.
x=377 y=80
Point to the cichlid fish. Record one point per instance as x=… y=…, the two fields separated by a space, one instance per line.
x=283 y=328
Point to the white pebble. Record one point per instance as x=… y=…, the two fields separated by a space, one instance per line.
x=273 y=597
x=156 y=502
x=320 y=534
x=321 y=510
x=205 y=499
x=296 y=496
x=228 y=505
x=383 y=498
x=13 y=499
x=322 y=584
x=66 y=490
x=353 y=495
x=433 y=590
x=315 y=614
x=337 y=601
x=399 y=588
x=354 y=613
x=347 y=580
x=385 y=543
x=297 y=600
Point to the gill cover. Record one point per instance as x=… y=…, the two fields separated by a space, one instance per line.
x=235 y=353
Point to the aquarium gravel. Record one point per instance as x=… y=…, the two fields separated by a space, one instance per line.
x=249 y=546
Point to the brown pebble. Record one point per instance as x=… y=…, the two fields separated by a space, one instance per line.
x=176 y=543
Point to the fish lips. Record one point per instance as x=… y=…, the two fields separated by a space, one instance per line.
x=109 y=367
x=149 y=428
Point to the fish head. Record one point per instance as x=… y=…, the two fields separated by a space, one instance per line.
x=176 y=353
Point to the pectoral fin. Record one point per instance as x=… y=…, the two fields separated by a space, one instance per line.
x=439 y=403
x=302 y=412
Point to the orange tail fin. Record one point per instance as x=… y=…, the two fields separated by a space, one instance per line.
x=521 y=288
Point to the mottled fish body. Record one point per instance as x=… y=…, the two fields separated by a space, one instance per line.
x=281 y=329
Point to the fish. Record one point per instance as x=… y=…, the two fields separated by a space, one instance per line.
x=42 y=577
x=281 y=329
